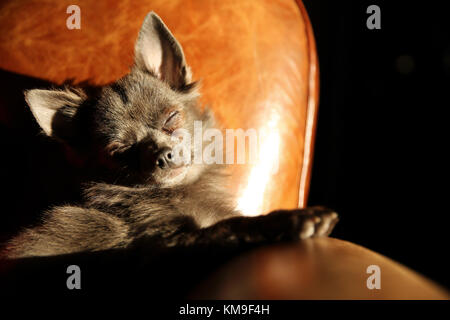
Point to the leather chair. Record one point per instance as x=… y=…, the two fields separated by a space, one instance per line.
x=258 y=66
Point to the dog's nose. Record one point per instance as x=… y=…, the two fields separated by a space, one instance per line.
x=164 y=159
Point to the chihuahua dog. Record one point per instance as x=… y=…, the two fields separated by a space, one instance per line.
x=143 y=195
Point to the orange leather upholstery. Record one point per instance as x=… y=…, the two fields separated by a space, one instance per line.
x=319 y=268
x=256 y=60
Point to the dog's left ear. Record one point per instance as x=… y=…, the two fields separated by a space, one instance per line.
x=56 y=111
x=157 y=50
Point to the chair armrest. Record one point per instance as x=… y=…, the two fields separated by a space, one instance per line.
x=318 y=268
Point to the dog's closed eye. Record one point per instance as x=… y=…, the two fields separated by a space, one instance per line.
x=172 y=122
x=116 y=147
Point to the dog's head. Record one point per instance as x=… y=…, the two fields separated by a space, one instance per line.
x=129 y=124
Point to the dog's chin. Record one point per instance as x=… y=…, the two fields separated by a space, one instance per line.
x=171 y=177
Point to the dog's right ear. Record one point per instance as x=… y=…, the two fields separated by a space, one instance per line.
x=55 y=110
x=157 y=51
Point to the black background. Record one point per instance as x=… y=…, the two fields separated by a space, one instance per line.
x=381 y=144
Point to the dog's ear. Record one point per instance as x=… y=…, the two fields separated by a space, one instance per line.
x=55 y=110
x=157 y=51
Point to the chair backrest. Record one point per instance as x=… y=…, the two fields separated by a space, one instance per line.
x=256 y=59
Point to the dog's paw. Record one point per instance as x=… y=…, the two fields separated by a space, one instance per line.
x=308 y=222
x=280 y=225
x=321 y=222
